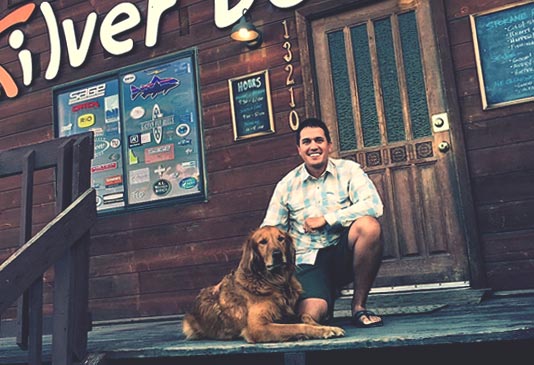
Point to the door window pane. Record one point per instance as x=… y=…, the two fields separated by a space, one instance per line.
x=342 y=93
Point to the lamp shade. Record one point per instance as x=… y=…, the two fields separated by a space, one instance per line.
x=244 y=31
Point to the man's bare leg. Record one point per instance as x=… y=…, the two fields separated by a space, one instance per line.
x=316 y=308
x=365 y=242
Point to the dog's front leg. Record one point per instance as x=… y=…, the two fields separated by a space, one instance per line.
x=262 y=329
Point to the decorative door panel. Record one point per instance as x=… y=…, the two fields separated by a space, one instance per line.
x=380 y=92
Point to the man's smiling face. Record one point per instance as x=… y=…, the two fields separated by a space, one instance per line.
x=314 y=150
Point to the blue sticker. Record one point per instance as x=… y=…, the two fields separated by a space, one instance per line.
x=188 y=183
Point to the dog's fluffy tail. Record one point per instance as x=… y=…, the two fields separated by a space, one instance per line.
x=191 y=328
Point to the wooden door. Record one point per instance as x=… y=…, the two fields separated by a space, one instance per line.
x=380 y=91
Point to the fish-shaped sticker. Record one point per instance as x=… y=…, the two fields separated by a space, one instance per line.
x=155 y=87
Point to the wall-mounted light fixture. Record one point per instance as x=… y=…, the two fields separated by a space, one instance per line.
x=244 y=31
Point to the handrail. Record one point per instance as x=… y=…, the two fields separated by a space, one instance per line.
x=63 y=244
x=30 y=261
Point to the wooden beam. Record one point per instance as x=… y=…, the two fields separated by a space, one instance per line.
x=25 y=234
x=45 y=155
x=30 y=261
x=295 y=358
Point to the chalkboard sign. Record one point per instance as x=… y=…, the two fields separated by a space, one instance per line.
x=250 y=99
x=504 y=50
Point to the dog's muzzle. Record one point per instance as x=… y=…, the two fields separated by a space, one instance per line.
x=277 y=260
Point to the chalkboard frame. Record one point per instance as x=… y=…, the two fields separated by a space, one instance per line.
x=479 y=44
x=237 y=122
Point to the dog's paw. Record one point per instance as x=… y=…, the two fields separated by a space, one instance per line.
x=330 y=331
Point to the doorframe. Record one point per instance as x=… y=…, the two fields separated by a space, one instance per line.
x=465 y=208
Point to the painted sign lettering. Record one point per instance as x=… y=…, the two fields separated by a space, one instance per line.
x=122 y=18
x=224 y=16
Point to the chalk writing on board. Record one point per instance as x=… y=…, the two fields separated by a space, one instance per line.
x=504 y=46
x=251 y=105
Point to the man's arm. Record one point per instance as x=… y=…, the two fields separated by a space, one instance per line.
x=277 y=213
x=365 y=201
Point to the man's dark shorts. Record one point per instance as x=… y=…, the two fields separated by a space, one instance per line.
x=332 y=270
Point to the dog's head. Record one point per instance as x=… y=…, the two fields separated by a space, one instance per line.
x=268 y=249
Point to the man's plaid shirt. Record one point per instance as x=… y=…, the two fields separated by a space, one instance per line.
x=341 y=194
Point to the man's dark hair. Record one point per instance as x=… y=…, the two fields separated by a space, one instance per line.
x=314 y=123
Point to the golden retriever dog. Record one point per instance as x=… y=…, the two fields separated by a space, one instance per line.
x=257 y=300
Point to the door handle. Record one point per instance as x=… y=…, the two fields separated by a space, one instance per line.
x=444 y=147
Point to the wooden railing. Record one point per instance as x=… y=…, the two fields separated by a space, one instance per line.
x=62 y=244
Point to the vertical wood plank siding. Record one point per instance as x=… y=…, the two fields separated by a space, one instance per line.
x=500 y=146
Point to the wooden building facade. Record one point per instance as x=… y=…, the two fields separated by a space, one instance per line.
x=398 y=82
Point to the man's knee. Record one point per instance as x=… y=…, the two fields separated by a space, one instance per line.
x=316 y=308
x=367 y=227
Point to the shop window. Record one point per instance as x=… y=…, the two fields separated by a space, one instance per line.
x=147 y=130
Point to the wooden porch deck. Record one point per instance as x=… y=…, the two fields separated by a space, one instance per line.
x=499 y=321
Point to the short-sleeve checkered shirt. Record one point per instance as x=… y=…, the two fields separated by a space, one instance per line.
x=342 y=194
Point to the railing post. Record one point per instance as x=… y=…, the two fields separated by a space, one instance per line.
x=62 y=331
x=72 y=271
x=83 y=149
x=26 y=204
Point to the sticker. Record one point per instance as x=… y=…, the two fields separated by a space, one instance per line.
x=159 y=153
x=132 y=158
x=138 y=112
x=113 y=198
x=140 y=176
x=115 y=143
x=155 y=87
x=115 y=156
x=139 y=194
x=85 y=106
x=112 y=108
x=188 y=183
x=157 y=132
x=156 y=112
x=183 y=130
x=97 y=131
x=128 y=79
x=89 y=93
x=186 y=118
x=66 y=128
x=113 y=181
x=86 y=120
x=161 y=170
x=104 y=167
x=112 y=128
x=184 y=142
x=134 y=140
x=161 y=187
x=101 y=145
x=146 y=138
x=189 y=164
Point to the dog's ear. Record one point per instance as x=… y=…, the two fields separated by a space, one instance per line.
x=251 y=260
x=290 y=248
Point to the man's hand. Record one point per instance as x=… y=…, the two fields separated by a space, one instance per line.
x=313 y=224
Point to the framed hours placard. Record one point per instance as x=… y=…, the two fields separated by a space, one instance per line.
x=250 y=101
x=147 y=129
x=504 y=48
